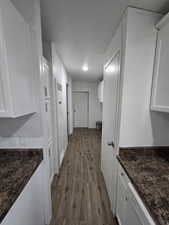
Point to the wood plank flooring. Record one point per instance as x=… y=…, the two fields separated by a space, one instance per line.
x=79 y=195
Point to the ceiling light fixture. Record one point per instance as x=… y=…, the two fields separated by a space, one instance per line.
x=85 y=68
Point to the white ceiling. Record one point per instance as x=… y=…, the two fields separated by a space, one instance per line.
x=82 y=29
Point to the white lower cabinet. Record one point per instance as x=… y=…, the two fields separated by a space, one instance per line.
x=121 y=200
x=130 y=208
x=47 y=185
x=132 y=216
x=29 y=207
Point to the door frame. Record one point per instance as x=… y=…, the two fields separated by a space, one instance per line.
x=67 y=108
x=86 y=92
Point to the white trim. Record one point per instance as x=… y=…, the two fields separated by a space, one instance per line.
x=118 y=219
x=51 y=179
x=61 y=158
x=111 y=59
x=156 y=71
x=160 y=108
x=163 y=21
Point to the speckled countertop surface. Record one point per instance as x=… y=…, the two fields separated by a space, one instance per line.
x=16 y=168
x=148 y=169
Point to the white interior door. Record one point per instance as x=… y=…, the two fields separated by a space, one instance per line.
x=110 y=126
x=60 y=125
x=80 y=109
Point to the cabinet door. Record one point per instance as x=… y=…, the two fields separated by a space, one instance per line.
x=132 y=217
x=47 y=186
x=130 y=208
x=160 y=90
x=136 y=212
x=121 y=200
x=17 y=71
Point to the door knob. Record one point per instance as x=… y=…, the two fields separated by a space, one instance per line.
x=111 y=144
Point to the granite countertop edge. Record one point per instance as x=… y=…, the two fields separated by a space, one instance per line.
x=35 y=153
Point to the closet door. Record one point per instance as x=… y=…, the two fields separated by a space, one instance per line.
x=81 y=109
x=60 y=119
x=110 y=126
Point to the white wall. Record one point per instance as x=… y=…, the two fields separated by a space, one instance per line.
x=27 y=131
x=95 y=112
x=60 y=76
x=140 y=126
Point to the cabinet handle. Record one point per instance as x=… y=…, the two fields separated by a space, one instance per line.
x=122 y=174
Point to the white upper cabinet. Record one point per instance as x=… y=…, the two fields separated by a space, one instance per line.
x=100 y=91
x=17 y=96
x=160 y=89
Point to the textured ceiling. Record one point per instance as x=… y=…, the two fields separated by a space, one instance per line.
x=82 y=30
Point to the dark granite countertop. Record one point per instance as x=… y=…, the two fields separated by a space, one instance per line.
x=148 y=169
x=16 y=168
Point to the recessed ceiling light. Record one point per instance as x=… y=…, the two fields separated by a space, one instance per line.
x=85 y=68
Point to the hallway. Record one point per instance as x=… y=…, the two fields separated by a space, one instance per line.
x=79 y=195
